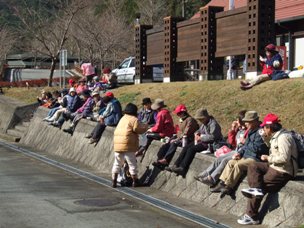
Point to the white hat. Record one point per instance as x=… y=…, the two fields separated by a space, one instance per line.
x=72 y=90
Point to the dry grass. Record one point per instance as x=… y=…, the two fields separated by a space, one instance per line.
x=223 y=99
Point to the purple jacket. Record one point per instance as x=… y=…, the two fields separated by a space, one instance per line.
x=87 y=108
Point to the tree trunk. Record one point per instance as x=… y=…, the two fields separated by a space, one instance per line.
x=53 y=66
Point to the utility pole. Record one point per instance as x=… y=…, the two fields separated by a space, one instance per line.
x=230 y=74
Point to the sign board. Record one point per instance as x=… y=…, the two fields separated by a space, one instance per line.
x=63 y=57
x=283 y=52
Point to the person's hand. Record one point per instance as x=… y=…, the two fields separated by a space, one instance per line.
x=262 y=59
x=197 y=137
x=264 y=157
x=149 y=130
x=236 y=156
x=234 y=125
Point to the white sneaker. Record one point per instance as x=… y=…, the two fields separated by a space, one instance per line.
x=252 y=192
x=247 y=220
x=206 y=152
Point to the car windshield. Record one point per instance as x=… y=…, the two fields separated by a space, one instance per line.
x=124 y=64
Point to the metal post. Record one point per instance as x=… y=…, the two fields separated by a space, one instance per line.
x=229 y=73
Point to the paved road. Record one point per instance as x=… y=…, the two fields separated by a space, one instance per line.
x=34 y=194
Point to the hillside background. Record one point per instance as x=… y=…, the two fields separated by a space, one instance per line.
x=223 y=99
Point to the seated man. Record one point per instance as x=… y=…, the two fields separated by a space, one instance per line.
x=188 y=126
x=208 y=135
x=251 y=152
x=274 y=172
x=109 y=116
x=236 y=138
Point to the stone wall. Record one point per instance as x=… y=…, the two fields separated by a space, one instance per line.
x=283 y=209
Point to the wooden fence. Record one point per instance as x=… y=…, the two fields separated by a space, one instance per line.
x=207 y=39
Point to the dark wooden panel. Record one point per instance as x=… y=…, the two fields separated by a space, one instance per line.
x=232 y=35
x=155 y=48
x=189 y=42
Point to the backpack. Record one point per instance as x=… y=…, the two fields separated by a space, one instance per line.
x=299 y=140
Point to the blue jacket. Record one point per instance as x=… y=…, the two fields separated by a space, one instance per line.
x=254 y=146
x=112 y=118
x=73 y=103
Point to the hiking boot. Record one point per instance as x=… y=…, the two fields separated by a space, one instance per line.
x=92 y=141
x=88 y=136
x=247 y=220
x=170 y=168
x=207 y=181
x=68 y=130
x=252 y=192
x=136 y=183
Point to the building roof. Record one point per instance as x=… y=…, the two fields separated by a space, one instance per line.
x=285 y=9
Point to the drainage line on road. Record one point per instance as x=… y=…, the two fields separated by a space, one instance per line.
x=163 y=205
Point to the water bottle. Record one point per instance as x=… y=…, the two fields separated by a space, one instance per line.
x=184 y=141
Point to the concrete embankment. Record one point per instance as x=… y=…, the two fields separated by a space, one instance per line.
x=12 y=112
x=283 y=209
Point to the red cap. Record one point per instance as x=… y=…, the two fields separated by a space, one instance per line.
x=270 y=47
x=180 y=108
x=71 y=81
x=270 y=118
x=109 y=94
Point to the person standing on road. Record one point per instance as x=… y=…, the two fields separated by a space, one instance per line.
x=126 y=143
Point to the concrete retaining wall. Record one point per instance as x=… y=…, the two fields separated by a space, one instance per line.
x=12 y=112
x=283 y=209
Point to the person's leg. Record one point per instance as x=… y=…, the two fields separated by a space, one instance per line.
x=170 y=152
x=98 y=130
x=190 y=154
x=220 y=165
x=163 y=150
x=259 y=79
x=118 y=163
x=183 y=154
x=239 y=168
x=131 y=160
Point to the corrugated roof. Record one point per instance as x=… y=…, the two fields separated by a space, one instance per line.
x=284 y=8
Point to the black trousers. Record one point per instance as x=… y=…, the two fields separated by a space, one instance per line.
x=98 y=130
x=188 y=153
x=167 y=151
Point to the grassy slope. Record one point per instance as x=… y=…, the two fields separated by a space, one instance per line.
x=223 y=99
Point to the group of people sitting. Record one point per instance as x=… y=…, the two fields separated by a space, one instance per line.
x=263 y=150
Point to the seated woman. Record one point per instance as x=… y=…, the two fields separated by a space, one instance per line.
x=236 y=138
x=272 y=68
x=209 y=135
x=188 y=126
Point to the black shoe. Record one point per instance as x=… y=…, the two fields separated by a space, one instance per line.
x=55 y=124
x=218 y=188
x=228 y=191
x=88 y=136
x=92 y=141
x=68 y=130
x=159 y=165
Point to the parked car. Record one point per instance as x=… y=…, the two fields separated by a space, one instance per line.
x=125 y=72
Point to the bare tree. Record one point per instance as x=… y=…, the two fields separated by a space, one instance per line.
x=103 y=36
x=7 y=41
x=152 y=11
x=49 y=31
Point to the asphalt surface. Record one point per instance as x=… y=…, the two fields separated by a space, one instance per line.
x=34 y=194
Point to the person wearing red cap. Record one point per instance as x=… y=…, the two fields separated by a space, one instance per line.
x=272 y=68
x=275 y=170
x=188 y=125
x=109 y=116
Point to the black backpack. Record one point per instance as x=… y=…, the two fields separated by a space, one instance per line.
x=299 y=140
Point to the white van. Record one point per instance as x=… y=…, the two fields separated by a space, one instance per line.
x=125 y=72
